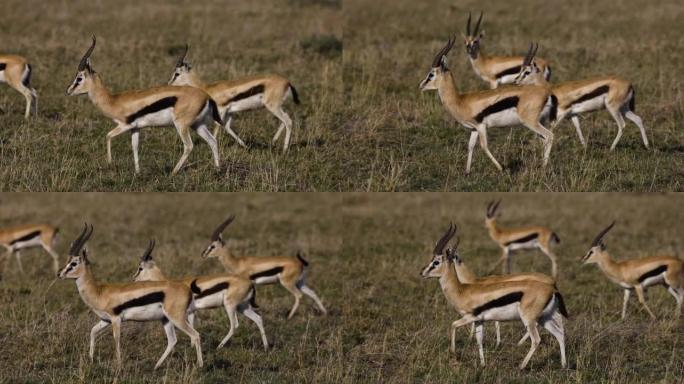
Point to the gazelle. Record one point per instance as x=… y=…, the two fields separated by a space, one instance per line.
x=14 y=239
x=234 y=293
x=531 y=302
x=466 y=276
x=612 y=93
x=501 y=107
x=639 y=274
x=289 y=271
x=186 y=108
x=165 y=301
x=495 y=70
x=16 y=72
x=511 y=239
x=261 y=91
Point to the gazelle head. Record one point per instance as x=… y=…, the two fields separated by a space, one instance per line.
x=471 y=39
x=217 y=244
x=147 y=269
x=492 y=213
x=598 y=248
x=182 y=71
x=529 y=71
x=78 y=256
x=440 y=259
x=438 y=69
x=84 y=77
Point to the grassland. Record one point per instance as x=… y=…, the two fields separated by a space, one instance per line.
x=404 y=140
x=64 y=148
x=44 y=325
x=398 y=323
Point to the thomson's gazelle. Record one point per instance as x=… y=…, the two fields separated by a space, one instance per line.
x=495 y=70
x=289 y=271
x=260 y=91
x=168 y=302
x=511 y=239
x=531 y=302
x=231 y=292
x=639 y=274
x=16 y=72
x=612 y=93
x=502 y=107
x=21 y=237
x=186 y=108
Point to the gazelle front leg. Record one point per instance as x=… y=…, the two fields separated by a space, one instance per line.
x=482 y=131
x=95 y=332
x=575 y=121
x=112 y=134
x=135 y=141
x=17 y=255
x=624 y=303
x=116 y=330
x=471 y=146
x=465 y=320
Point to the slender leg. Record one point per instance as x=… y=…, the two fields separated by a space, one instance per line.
x=204 y=133
x=525 y=337
x=472 y=331
x=547 y=137
x=297 y=295
x=557 y=331
x=170 y=342
x=576 y=123
x=507 y=261
x=17 y=255
x=116 y=330
x=110 y=135
x=620 y=123
x=184 y=326
x=55 y=256
x=640 y=295
x=309 y=292
x=497 y=326
x=679 y=297
x=256 y=318
x=471 y=146
x=465 y=320
x=637 y=120
x=552 y=257
x=135 y=141
x=479 y=336
x=482 y=133
x=281 y=129
x=191 y=319
x=96 y=331
x=232 y=133
x=232 y=317
x=184 y=133
x=285 y=119
x=534 y=336
x=625 y=299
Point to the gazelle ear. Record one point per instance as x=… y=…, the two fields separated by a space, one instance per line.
x=84 y=255
x=443 y=62
x=482 y=34
x=220 y=239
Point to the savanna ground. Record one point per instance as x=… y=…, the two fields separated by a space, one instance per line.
x=398 y=323
x=138 y=43
x=404 y=140
x=44 y=325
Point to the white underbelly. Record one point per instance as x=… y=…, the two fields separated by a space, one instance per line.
x=143 y=313
x=252 y=102
x=589 y=105
x=211 y=301
x=530 y=244
x=156 y=119
x=33 y=242
x=266 y=280
x=655 y=280
x=2 y=77
x=503 y=118
x=504 y=313
x=507 y=79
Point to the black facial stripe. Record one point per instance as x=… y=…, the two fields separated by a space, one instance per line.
x=653 y=272
x=266 y=273
x=157 y=106
x=509 y=71
x=523 y=239
x=502 y=105
x=257 y=89
x=26 y=237
x=595 y=93
x=500 y=302
x=216 y=288
x=150 y=298
x=2 y=66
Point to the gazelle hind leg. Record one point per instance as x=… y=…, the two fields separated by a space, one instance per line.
x=471 y=146
x=617 y=116
x=53 y=254
x=637 y=120
x=135 y=143
x=552 y=258
x=625 y=299
x=576 y=122
x=184 y=133
x=309 y=292
x=171 y=341
x=296 y=292
x=232 y=317
x=185 y=327
x=232 y=133
x=558 y=332
x=286 y=121
x=17 y=255
x=640 y=295
x=256 y=318
x=535 y=340
x=204 y=133
x=497 y=326
x=679 y=298
x=546 y=135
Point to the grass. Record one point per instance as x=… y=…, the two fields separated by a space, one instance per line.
x=404 y=140
x=398 y=323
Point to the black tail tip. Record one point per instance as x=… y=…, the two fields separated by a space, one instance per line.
x=561 y=305
x=302 y=260
x=252 y=300
x=194 y=288
x=295 y=95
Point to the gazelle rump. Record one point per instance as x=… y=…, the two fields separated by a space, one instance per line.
x=531 y=302
x=269 y=91
x=16 y=238
x=638 y=274
x=495 y=70
x=612 y=93
x=289 y=271
x=165 y=301
x=231 y=292
x=502 y=107
x=511 y=239
x=186 y=108
x=16 y=72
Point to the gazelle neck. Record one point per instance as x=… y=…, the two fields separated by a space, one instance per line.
x=492 y=228
x=88 y=287
x=194 y=80
x=227 y=259
x=448 y=93
x=610 y=267
x=464 y=273
x=449 y=280
x=100 y=95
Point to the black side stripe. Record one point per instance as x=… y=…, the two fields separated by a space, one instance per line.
x=26 y=237
x=266 y=273
x=150 y=298
x=215 y=289
x=510 y=71
x=157 y=106
x=652 y=273
x=595 y=93
x=3 y=66
x=502 y=105
x=500 y=302
x=523 y=239
x=255 y=90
